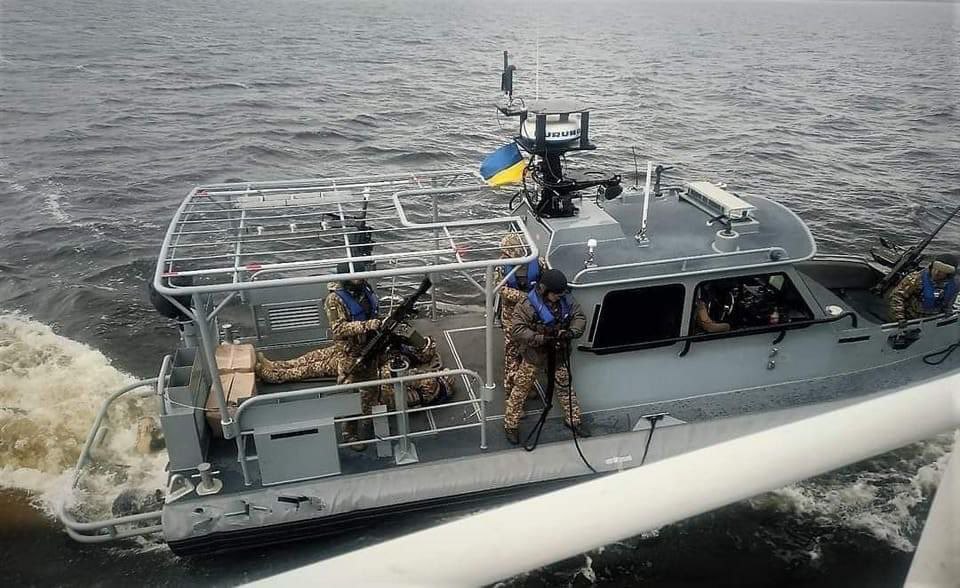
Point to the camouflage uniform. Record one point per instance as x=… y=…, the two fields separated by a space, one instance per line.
x=904 y=301
x=319 y=363
x=511 y=246
x=349 y=337
x=529 y=332
x=324 y=363
x=419 y=392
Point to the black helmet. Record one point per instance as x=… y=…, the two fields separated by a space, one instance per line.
x=554 y=281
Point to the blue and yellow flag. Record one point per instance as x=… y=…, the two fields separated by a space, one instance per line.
x=503 y=166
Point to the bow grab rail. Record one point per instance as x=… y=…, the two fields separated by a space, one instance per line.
x=93 y=531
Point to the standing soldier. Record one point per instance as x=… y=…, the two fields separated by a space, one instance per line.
x=352 y=315
x=544 y=323
x=927 y=292
x=513 y=291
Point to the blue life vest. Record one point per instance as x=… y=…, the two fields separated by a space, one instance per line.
x=533 y=274
x=544 y=312
x=356 y=309
x=935 y=298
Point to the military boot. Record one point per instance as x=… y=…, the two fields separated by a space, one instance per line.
x=351 y=434
x=580 y=429
x=513 y=436
x=263 y=370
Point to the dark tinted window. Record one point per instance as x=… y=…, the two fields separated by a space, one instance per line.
x=749 y=301
x=640 y=315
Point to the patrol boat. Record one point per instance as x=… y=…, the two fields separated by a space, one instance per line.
x=245 y=266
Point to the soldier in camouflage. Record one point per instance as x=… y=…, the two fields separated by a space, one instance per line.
x=349 y=308
x=319 y=363
x=544 y=323
x=512 y=292
x=422 y=392
x=927 y=292
x=322 y=363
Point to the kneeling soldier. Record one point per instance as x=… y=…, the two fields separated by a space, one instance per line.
x=544 y=323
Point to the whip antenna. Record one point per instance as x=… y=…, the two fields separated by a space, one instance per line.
x=538 y=56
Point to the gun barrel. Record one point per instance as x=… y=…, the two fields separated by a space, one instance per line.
x=379 y=343
x=912 y=255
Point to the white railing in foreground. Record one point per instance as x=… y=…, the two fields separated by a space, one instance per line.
x=525 y=535
x=936 y=562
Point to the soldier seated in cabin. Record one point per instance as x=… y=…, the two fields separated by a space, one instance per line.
x=707 y=306
x=927 y=292
x=748 y=302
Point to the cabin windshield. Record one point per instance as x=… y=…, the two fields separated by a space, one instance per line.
x=744 y=302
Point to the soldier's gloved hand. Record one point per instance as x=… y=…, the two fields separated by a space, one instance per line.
x=374 y=324
x=565 y=335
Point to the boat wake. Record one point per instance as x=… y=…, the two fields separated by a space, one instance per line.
x=51 y=389
x=885 y=498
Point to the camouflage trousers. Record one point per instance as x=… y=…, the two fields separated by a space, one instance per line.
x=334 y=361
x=524 y=380
x=319 y=363
x=511 y=359
x=511 y=363
x=369 y=396
x=419 y=392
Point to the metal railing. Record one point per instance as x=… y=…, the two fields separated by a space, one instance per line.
x=484 y=548
x=402 y=415
x=435 y=241
x=93 y=531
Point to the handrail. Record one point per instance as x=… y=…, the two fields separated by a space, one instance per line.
x=338 y=388
x=168 y=290
x=688 y=339
x=482 y=549
x=921 y=320
x=76 y=529
x=706 y=256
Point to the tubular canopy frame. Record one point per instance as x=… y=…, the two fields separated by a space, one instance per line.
x=233 y=237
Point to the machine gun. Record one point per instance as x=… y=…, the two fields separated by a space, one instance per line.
x=384 y=337
x=908 y=259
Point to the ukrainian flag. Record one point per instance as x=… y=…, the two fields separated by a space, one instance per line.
x=503 y=166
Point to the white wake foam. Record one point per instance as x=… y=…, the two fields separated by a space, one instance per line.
x=51 y=389
x=878 y=498
x=51 y=202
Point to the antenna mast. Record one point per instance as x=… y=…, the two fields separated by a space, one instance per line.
x=538 y=56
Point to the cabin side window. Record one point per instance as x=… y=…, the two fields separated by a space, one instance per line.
x=640 y=315
x=743 y=302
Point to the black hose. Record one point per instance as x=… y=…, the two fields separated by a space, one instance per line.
x=534 y=433
x=576 y=440
x=943 y=355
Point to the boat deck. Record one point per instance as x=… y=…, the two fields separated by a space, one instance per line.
x=461 y=344
x=460 y=340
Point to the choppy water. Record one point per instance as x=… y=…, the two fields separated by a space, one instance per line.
x=110 y=111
